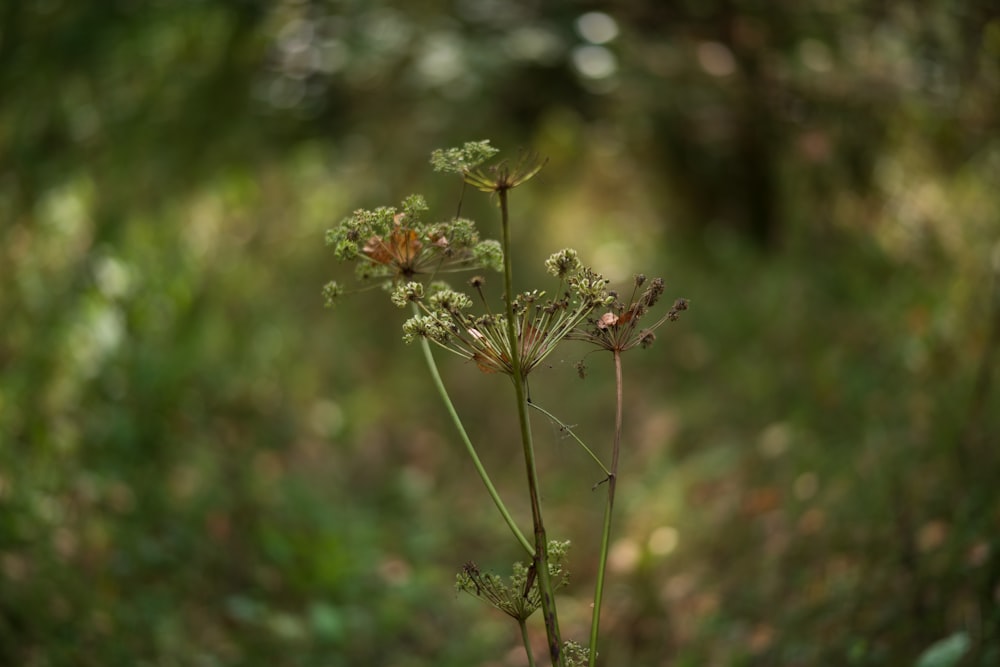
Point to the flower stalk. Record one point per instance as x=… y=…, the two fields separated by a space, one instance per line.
x=616 y=331
x=541 y=556
x=602 y=562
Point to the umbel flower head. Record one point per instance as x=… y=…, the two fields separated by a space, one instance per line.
x=503 y=176
x=518 y=597
x=618 y=328
x=396 y=244
x=541 y=322
x=496 y=178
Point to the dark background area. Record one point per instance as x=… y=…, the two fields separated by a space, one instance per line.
x=200 y=465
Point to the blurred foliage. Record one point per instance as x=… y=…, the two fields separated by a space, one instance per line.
x=200 y=465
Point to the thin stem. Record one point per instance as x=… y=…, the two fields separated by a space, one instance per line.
x=483 y=475
x=527 y=642
x=541 y=555
x=606 y=532
x=566 y=428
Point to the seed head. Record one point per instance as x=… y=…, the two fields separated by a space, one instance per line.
x=563 y=264
x=618 y=329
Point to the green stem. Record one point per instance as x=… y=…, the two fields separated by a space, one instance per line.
x=572 y=434
x=606 y=532
x=527 y=642
x=483 y=475
x=541 y=555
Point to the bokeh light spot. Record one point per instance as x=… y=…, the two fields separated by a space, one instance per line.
x=663 y=540
x=774 y=440
x=594 y=62
x=716 y=59
x=533 y=44
x=624 y=556
x=597 y=27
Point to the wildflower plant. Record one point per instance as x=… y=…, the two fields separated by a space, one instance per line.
x=409 y=256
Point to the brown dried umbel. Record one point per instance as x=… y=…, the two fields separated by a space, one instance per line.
x=618 y=329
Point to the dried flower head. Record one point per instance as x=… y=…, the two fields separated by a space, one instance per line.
x=618 y=328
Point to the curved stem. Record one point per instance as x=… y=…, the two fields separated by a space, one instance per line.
x=483 y=475
x=541 y=554
x=606 y=532
x=566 y=428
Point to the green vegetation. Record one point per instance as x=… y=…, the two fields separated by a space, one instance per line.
x=199 y=464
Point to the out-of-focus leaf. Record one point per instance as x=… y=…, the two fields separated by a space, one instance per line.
x=946 y=652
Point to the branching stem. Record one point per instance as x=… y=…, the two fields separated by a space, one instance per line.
x=573 y=435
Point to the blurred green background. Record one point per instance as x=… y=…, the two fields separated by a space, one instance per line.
x=200 y=465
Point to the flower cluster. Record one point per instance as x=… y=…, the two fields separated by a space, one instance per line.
x=618 y=328
x=496 y=178
x=394 y=243
x=575 y=655
x=541 y=322
x=518 y=597
x=462 y=160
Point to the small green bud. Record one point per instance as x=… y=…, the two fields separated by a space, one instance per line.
x=591 y=287
x=488 y=254
x=460 y=232
x=406 y=293
x=576 y=655
x=331 y=292
x=413 y=206
x=450 y=301
x=346 y=250
x=424 y=326
x=563 y=264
